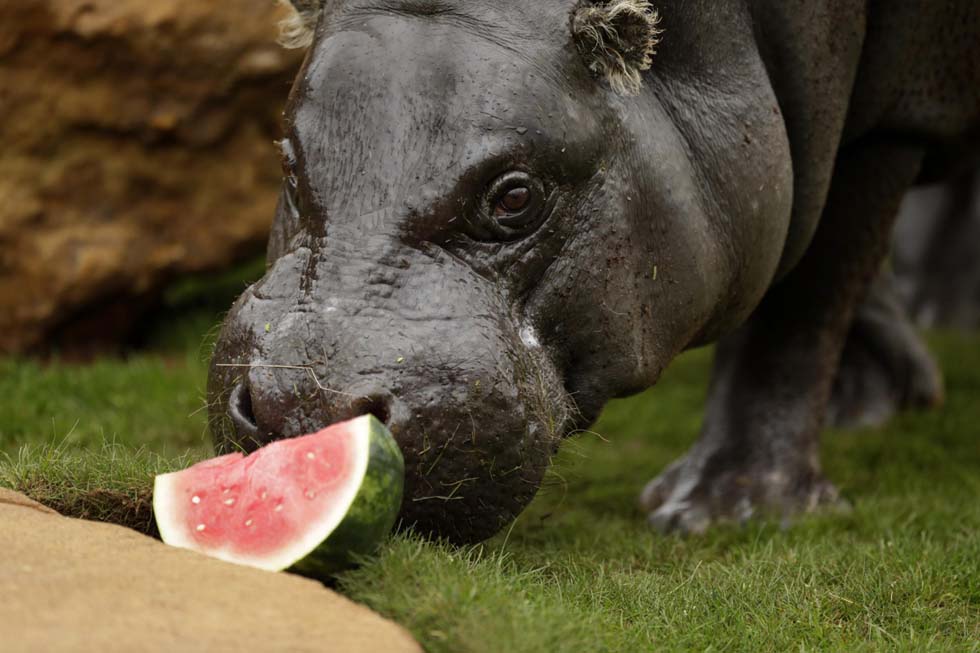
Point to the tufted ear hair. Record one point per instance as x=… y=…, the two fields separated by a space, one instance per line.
x=617 y=40
x=296 y=30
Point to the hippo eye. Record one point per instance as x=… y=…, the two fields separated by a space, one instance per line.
x=515 y=203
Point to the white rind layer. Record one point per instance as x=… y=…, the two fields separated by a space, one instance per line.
x=175 y=533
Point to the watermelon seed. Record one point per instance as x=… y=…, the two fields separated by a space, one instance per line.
x=229 y=502
x=311 y=455
x=278 y=507
x=248 y=522
x=200 y=527
x=310 y=494
x=264 y=495
x=195 y=499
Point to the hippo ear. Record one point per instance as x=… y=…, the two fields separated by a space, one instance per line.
x=296 y=30
x=617 y=39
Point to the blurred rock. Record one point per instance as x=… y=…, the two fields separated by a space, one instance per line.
x=137 y=146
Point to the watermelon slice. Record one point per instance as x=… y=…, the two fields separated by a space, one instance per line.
x=310 y=504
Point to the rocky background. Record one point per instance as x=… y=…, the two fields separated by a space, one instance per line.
x=136 y=146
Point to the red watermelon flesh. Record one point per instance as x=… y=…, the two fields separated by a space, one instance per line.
x=280 y=505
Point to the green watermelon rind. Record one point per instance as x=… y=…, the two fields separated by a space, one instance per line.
x=368 y=517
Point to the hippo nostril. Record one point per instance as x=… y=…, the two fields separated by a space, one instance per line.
x=377 y=405
x=240 y=411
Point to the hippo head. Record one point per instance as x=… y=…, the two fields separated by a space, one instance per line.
x=470 y=244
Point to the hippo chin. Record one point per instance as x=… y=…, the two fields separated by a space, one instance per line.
x=496 y=216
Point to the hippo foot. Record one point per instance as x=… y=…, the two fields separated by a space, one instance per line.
x=697 y=491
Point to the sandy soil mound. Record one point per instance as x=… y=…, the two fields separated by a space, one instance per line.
x=73 y=585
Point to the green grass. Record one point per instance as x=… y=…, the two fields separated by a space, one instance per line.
x=146 y=401
x=579 y=570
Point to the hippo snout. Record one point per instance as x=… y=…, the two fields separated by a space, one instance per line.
x=476 y=412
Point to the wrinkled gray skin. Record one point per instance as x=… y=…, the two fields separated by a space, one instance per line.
x=746 y=193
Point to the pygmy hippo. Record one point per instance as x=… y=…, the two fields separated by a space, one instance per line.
x=496 y=216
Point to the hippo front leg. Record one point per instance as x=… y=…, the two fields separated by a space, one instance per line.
x=759 y=448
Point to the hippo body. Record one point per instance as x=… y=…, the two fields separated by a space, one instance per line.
x=496 y=216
